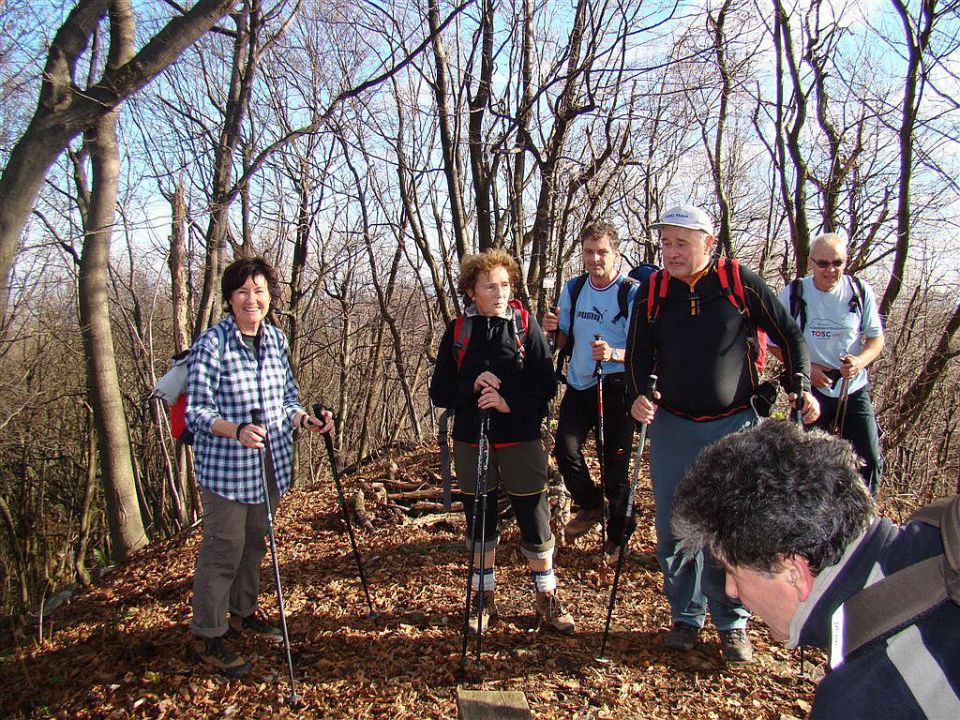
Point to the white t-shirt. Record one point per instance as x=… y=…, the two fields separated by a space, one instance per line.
x=832 y=329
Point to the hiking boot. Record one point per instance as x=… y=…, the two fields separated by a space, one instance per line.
x=490 y=613
x=683 y=637
x=735 y=645
x=550 y=611
x=254 y=624
x=583 y=522
x=218 y=654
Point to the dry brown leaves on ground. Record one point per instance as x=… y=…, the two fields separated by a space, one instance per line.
x=121 y=649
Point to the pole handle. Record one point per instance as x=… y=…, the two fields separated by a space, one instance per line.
x=318 y=409
x=256 y=416
x=651 y=386
x=598 y=370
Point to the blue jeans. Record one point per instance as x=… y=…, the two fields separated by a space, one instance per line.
x=691 y=584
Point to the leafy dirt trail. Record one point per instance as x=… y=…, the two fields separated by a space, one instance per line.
x=120 y=650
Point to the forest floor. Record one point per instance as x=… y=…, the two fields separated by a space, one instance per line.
x=121 y=648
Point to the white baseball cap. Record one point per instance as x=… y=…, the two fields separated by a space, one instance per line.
x=685 y=216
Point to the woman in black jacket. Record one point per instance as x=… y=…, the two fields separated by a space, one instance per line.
x=495 y=360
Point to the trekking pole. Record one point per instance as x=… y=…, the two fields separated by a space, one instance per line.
x=627 y=529
x=841 y=415
x=479 y=515
x=798 y=384
x=798 y=410
x=267 y=471
x=598 y=373
x=331 y=455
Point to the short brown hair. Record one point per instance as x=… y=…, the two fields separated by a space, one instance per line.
x=237 y=273
x=600 y=229
x=472 y=266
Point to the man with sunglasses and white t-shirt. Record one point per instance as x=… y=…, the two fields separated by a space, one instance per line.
x=841 y=325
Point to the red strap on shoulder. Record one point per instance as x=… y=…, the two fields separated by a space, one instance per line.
x=524 y=315
x=524 y=325
x=461 y=338
x=738 y=284
x=657 y=286
x=727 y=269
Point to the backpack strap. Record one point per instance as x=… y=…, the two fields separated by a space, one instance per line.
x=945 y=514
x=521 y=322
x=728 y=271
x=623 y=296
x=461 y=337
x=576 y=287
x=856 y=297
x=731 y=283
x=798 y=308
x=657 y=287
x=900 y=598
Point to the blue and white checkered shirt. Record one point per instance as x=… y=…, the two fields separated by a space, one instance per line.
x=224 y=380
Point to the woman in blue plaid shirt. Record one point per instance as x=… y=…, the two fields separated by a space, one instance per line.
x=238 y=365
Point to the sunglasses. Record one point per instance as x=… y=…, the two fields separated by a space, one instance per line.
x=824 y=264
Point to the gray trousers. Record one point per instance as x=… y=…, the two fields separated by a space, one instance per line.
x=227 y=578
x=691 y=584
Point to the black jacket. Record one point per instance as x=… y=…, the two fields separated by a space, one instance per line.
x=703 y=361
x=526 y=386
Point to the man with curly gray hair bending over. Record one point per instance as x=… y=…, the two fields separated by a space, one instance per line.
x=786 y=514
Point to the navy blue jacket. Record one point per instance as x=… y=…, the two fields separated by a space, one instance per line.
x=913 y=671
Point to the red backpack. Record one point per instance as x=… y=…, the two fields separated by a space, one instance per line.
x=732 y=286
x=464 y=326
x=172 y=389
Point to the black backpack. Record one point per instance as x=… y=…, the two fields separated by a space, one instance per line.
x=898 y=599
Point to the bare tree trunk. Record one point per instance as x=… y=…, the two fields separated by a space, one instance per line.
x=86 y=514
x=103 y=384
x=19 y=561
x=246 y=57
x=479 y=153
x=65 y=110
x=449 y=139
x=567 y=109
x=717 y=156
x=411 y=208
x=538 y=264
x=916 y=33
x=177 y=262
x=789 y=139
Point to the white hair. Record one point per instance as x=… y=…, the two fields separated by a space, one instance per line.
x=835 y=239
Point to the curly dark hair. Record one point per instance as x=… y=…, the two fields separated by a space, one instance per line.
x=759 y=496
x=237 y=272
x=472 y=266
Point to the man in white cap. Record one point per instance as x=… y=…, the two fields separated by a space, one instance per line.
x=699 y=332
